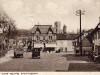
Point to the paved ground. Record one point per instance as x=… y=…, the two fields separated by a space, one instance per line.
x=48 y=62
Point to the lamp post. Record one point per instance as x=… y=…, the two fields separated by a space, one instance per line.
x=80 y=13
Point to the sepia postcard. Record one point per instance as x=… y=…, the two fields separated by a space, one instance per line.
x=45 y=37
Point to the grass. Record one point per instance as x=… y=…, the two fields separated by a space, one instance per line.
x=2 y=53
x=70 y=57
x=81 y=66
x=84 y=67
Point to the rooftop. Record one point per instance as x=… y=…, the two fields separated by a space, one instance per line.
x=66 y=36
x=43 y=28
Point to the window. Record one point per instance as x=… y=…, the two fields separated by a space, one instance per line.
x=43 y=37
x=54 y=37
x=37 y=32
x=38 y=38
x=99 y=34
x=50 y=32
x=95 y=35
x=34 y=38
x=96 y=49
x=50 y=37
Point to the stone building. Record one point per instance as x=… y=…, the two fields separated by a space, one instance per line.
x=57 y=26
x=64 y=29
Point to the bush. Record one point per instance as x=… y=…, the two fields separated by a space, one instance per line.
x=2 y=53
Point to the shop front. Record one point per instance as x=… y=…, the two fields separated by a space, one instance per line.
x=38 y=47
x=50 y=47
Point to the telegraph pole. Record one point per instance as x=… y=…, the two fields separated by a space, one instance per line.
x=80 y=13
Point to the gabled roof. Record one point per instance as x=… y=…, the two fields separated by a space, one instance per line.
x=66 y=36
x=37 y=29
x=50 y=29
x=43 y=28
x=86 y=33
x=96 y=28
x=92 y=32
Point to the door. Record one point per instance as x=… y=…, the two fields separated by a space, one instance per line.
x=98 y=50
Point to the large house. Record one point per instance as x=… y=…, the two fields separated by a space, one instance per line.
x=44 y=37
x=94 y=38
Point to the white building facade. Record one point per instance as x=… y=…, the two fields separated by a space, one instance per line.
x=65 y=45
x=65 y=42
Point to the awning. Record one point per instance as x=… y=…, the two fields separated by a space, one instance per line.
x=38 y=45
x=51 y=45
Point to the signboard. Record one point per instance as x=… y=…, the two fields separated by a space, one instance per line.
x=51 y=45
x=38 y=45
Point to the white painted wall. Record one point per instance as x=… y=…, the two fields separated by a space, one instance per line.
x=97 y=42
x=61 y=43
x=65 y=44
x=70 y=46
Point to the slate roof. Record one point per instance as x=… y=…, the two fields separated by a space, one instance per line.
x=66 y=36
x=61 y=37
x=72 y=36
x=43 y=28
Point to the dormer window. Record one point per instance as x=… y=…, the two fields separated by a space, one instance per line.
x=37 y=30
x=50 y=31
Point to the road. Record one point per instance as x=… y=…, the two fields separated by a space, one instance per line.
x=48 y=62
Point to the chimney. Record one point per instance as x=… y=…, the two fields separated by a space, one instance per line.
x=38 y=23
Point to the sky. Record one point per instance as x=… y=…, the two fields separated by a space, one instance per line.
x=27 y=13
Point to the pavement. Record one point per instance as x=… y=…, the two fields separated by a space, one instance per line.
x=7 y=57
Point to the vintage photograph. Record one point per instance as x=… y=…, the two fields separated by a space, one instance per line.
x=49 y=35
